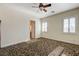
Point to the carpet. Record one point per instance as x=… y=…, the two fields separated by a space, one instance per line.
x=40 y=47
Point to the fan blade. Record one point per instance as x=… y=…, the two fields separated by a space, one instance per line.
x=44 y=10
x=47 y=5
x=40 y=5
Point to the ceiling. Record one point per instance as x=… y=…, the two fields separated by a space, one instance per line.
x=35 y=12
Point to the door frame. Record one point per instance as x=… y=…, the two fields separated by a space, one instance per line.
x=31 y=29
x=0 y=33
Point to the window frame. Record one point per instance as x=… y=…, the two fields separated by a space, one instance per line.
x=69 y=32
x=44 y=26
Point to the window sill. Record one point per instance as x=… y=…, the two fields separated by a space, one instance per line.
x=70 y=33
x=44 y=32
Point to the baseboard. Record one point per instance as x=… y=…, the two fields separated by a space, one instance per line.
x=60 y=40
x=10 y=44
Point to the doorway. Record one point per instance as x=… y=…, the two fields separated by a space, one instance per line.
x=0 y=33
x=32 y=29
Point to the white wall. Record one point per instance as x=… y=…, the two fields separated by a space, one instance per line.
x=55 y=27
x=14 y=26
x=38 y=28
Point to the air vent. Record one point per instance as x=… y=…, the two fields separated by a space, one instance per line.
x=52 y=11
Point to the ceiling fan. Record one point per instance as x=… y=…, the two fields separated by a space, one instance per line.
x=42 y=6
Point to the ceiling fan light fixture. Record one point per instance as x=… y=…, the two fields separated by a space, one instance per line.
x=43 y=7
x=44 y=10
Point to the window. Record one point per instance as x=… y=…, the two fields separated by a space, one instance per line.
x=72 y=25
x=44 y=27
x=65 y=25
x=69 y=25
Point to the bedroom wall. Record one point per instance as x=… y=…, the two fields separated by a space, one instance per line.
x=55 y=27
x=14 y=26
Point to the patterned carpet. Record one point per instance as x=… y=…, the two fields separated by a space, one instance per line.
x=39 y=47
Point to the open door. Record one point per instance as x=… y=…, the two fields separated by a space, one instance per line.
x=32 y=29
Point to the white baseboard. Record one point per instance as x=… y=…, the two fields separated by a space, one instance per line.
x=63 y=41
x=9 y=44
